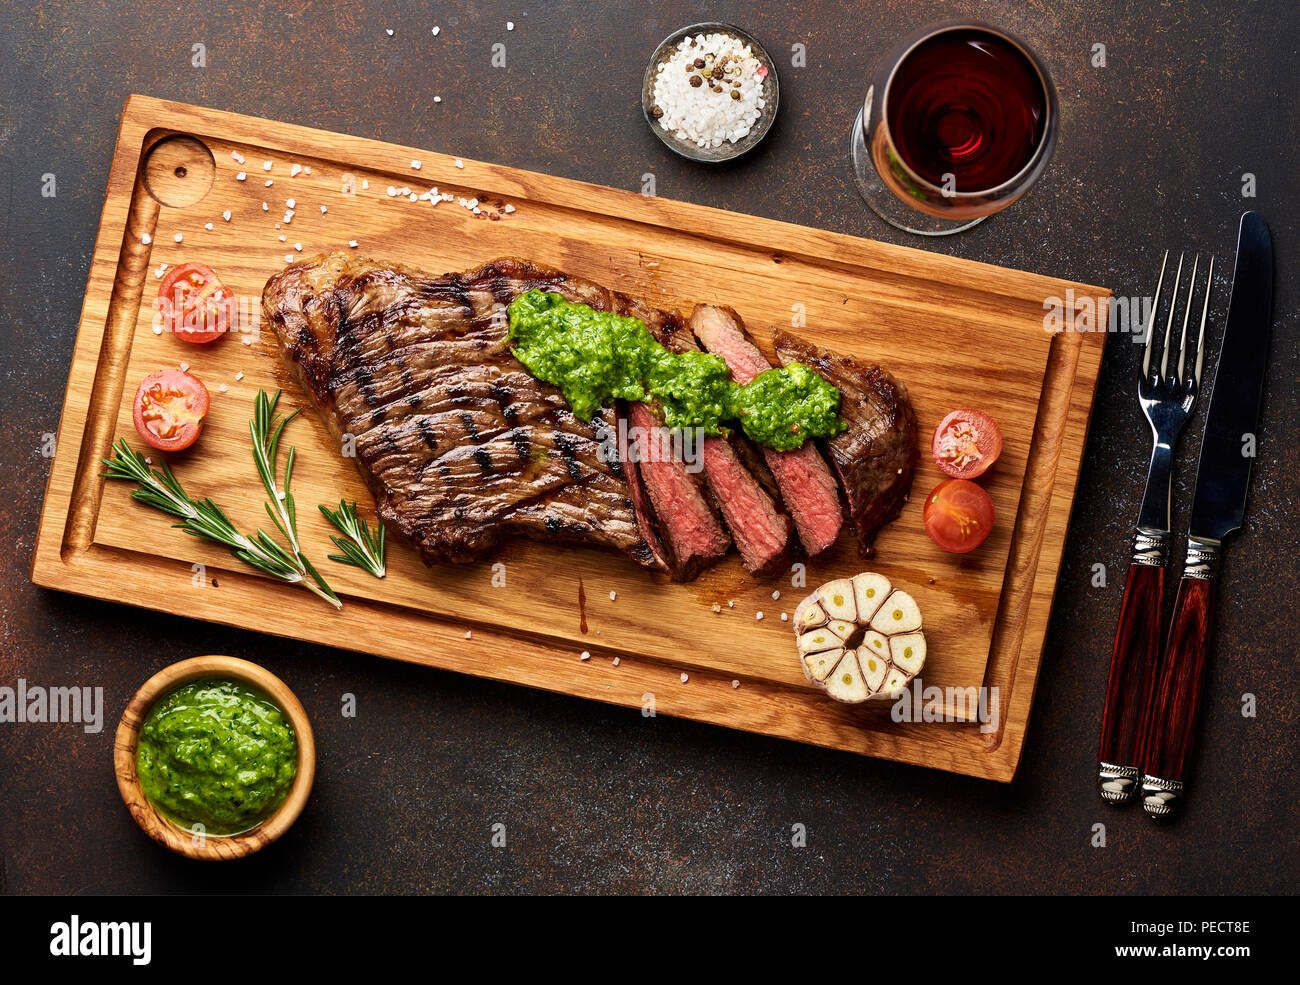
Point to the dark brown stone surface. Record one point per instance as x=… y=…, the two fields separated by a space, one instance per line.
x=1152 y=153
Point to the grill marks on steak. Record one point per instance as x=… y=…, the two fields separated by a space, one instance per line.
x=455 y=438
x=459 y=443
x=806 y=484
x=876 y=457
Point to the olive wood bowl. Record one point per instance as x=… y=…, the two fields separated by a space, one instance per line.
x=163 y=829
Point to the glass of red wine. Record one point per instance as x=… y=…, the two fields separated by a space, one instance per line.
x=959 y=122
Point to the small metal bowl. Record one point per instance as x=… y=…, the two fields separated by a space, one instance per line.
x=725 y=151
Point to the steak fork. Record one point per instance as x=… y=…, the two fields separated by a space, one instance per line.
x=1167 y=400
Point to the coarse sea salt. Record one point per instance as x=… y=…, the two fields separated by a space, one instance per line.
x=707 y=110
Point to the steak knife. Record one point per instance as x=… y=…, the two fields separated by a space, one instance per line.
x=1218 y=510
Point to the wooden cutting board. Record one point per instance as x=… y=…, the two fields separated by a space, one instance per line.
x=957 y=333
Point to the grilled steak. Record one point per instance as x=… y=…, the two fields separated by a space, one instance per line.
x=458 y=442
x=806 y=484
x=763 y=533
x=690 y=528
x=876 y=457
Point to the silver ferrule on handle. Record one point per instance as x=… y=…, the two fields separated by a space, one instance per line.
x=1161 y=798
x=1117 y=784
x=1202 y=559
x=1151 y=547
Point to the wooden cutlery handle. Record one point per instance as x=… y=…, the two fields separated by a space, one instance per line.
x=1131 y=685
x=1171 y=731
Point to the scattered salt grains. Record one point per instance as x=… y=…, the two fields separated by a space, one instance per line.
x=437 y=99
x=159 y=273
x=616 y=661
x=413 y=197
x=226 y=215
x=365 y=183
x=223 y=388
x=775 y=596
x=298 y=247
x=613 y=596
x=437 y=31
x=352 y=243
x=148 y=460
x=388 y=31
x=157 y=329
x=731 y=604
x=510 y=25
x=323 y=210
x=288 y=258
x=735 y=684
x=416 y=165
x=179 y=237
x=391 y=191
x=185 y=367
x=146 y=239
x=759 y=615
x=237 y=157
x=715 y=607
x=584 y=655
x=266 y=165
x=242 y=176
x=239 y=376
x=785 y=617
x=295 y=170
x=710 y=90
x=266 y=207
x=269 y=183
x=468 y=635
x=685 y=678
x=306 y=169
x=460 y=164
x=283 y=238
x=509 y=209
x=208 y=226
x=291 y=203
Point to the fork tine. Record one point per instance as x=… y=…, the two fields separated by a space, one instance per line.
x=1205 y=307
x=1169 y=324
x=1151 y=322
x=1187 y=314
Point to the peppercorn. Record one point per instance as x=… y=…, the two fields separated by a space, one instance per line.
x=657 y=112
x=699 y=63
x=696 y=82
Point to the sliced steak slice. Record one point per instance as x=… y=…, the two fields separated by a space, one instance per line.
x=876 y=457
x=762 y=532
x=687 y=522
x=806 y=483
x=458 y=442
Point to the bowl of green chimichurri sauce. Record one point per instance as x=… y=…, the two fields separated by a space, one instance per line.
x=215 y=757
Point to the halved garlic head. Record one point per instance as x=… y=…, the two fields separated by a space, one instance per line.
x=860 y=638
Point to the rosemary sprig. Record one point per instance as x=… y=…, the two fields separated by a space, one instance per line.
x=362 y=547
x=202 y=518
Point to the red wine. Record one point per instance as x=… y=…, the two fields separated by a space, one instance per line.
x=967 y=103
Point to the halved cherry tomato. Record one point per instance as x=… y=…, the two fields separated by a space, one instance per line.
x=170 y=408
x=966 y=443
x=195 y=305
x=958 y=515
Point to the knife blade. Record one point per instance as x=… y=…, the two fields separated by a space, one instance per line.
x=1227 y=446
x=1218 y=510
